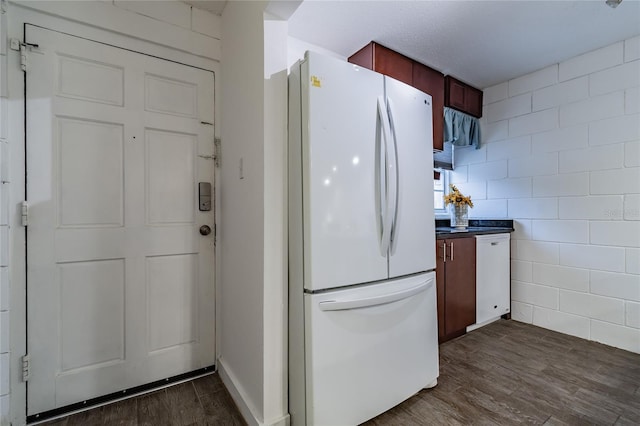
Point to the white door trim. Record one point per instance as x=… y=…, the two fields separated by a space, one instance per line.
x=17 y=17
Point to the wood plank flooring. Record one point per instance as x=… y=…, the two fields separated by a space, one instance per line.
x=509 y=373
x=200 y=402
x=501 y=374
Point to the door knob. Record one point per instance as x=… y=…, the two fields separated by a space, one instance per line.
x=205 y=230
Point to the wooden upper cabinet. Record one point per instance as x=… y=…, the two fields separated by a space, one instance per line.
x=432 y=82
x=388 y=62
x=462 y=97
x=385 y=61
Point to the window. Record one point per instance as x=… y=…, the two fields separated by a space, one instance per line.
x=440 y=189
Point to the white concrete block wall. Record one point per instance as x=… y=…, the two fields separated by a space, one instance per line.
x=632 y=261
x=592 y=109
x=592 y=158
x=632 y=152
x=495 y=131
x=495 y=93
x=626 y=181
x=560 y=139
x=590 y=62
x=534 y=165
x=536 y=80
x=530 y=208
x=4 y=230
x=175 y=13
x=562 y=149
x=560 y=276
x=631 y=207
x=561 y=185
x=533 y=123
x=633 y=314
x=510 y=107
x=569 y=91
x=509 y=148
x=615 y=130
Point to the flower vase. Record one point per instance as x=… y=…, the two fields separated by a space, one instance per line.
x=459 y=216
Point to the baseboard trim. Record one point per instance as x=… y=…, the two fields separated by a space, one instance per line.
x=239 y=397
x=482 y=324
x=282 y=421
x=230 y=381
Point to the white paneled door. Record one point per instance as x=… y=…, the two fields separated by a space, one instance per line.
x=120 y=279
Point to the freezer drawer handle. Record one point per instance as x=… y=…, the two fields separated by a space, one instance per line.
x=340 y=305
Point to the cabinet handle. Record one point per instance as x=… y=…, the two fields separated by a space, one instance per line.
x=444 y=251
x=451 y=251
x=494 y=243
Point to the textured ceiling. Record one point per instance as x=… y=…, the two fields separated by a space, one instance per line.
x=480 y=42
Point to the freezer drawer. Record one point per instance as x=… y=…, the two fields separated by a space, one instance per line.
x=369 y=348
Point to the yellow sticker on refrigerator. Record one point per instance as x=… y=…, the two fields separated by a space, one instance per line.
x=315 y=81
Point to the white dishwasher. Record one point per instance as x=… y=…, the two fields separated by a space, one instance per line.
x=493 y=280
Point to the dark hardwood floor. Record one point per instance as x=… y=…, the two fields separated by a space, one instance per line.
x=509 y=372
x=501 y=374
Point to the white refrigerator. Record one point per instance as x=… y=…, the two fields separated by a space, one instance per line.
x=362 y=301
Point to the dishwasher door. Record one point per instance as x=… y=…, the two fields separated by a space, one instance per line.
x=369 y=348
x=493 y=276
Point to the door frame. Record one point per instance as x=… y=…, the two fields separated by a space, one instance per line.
x=101 y=29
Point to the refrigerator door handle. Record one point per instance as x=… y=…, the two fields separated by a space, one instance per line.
x=394 y=177
x=383 y=182
x=341 y=305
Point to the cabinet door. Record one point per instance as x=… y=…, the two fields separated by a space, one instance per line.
x=462 y=97
x=393 y=64
x=432 y=82
x=493 y=276
x=460 y=272
x=473 y=98
x=441 y=247
x=363 y=57
x=455 y=94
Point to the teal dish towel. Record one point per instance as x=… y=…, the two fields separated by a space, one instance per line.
x=461 y=129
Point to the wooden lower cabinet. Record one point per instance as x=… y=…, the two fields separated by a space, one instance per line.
x=456 y=286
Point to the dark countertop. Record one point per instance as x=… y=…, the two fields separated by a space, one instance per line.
x=476 y=227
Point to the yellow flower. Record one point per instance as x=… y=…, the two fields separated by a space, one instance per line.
x=456 y=198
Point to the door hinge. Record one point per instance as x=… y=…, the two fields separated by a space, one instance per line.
x=26 y=367
x=25 y=213
x=23 y=48
x=217 y=148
